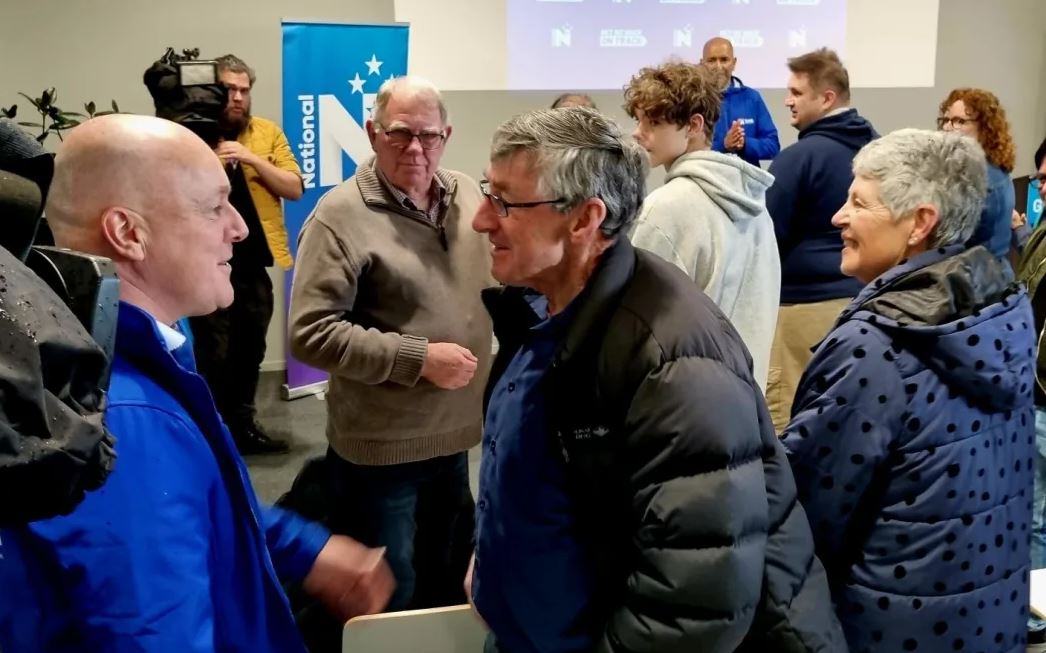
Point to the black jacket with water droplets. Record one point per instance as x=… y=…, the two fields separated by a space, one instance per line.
x=53 y=444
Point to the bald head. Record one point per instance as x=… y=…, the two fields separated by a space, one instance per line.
x=150 y=195
x=123 y=160
x=718 y=57
x=718 y=45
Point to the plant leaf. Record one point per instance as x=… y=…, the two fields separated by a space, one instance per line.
x=33 y=100
x=71 y=113
x=116 y=109
x=30 y=124
x=41 y=138
x=46 y=97
x=12 y=112
x=89 y=108
x=103 y=113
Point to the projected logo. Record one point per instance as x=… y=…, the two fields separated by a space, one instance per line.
x=622 y=38
x=683 y=38
x=797 y=38
x=340 y=129
x=743 y=38
x=562 y=36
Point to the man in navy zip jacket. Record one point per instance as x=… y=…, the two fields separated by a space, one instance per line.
x=173 y=553
x=745 y=127
x=812 y=179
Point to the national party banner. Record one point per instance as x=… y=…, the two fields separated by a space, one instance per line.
x=331 y=76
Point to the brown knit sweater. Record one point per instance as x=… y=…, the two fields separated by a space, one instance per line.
x=374 y=285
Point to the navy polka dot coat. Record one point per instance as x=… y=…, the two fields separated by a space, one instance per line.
x=911 y=441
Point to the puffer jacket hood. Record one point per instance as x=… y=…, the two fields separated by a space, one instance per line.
x=947 y=310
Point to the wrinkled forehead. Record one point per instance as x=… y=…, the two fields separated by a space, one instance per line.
x=413 y=111
x=516 y=172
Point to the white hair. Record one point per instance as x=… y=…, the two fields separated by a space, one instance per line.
x=410 y=86
x=917 y=166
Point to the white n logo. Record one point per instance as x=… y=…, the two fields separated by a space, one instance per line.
x=339 y=132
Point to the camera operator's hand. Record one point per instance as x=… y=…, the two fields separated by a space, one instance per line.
x=229 y=151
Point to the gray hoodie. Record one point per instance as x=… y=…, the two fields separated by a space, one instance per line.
x=710 y=220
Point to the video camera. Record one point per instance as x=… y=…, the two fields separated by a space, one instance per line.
x=187 y=91
x=86 y=284
x=59 y=312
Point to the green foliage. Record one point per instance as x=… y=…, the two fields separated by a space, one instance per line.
x=54 y=120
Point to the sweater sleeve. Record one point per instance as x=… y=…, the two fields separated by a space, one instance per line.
x=763 y=145
x=321 y=331
x=700 y=510
x=843 y=423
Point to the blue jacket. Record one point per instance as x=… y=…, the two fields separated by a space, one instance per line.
x=994 y=230
x=173 y=553
x=811 y=180
x=741 y=102
x=911 y=441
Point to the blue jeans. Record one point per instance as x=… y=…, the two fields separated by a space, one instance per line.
x=422 y=512
x=1038 y=516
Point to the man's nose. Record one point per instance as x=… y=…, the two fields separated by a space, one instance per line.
x=484 y=221
x=414 y=146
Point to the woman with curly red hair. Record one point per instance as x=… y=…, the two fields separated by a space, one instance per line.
x=979 y=114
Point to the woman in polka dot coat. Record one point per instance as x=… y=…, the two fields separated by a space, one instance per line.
x=912 y=432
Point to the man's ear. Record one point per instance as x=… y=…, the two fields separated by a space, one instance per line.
x=372 y=133
x=828 y=97
x=125 y=232
x=447 y=130
x=590 y=217
x=697 y=123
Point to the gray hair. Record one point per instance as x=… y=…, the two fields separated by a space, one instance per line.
x=412 y=86
x=916 y=166
x=233 y=64
x=579 y=154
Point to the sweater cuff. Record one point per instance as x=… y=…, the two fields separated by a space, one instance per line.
x=406 y=369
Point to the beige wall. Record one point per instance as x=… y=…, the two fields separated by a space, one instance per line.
x=97 y=49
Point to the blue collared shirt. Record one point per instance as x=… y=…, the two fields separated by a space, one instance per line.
x=531 y=583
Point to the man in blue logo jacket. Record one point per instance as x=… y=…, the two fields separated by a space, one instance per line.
x=174 y=552
x=745 y=127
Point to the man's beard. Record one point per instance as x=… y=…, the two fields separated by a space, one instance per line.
x=234 y=126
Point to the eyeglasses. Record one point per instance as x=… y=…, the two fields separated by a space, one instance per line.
x=401 y=138
x=501 y=207
x=956 y=122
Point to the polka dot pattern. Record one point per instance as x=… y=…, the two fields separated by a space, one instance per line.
x=925 y=434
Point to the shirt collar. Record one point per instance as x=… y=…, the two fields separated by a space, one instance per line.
x=172 y=338
x=437 y=191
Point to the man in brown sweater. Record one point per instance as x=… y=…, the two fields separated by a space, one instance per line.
x=386 y=299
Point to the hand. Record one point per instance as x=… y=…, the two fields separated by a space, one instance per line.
x=350 y=579
x=735 y=138
x=448 y=366
x=229 y=151
x=468 y=580
x=468 y=587
x=1018 y=220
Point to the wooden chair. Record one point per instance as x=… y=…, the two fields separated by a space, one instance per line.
x=454 y=629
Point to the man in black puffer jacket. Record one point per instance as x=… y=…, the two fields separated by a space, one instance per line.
x=633 y=495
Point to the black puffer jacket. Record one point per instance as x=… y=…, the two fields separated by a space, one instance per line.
x=683 y=496
x=53 y=444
